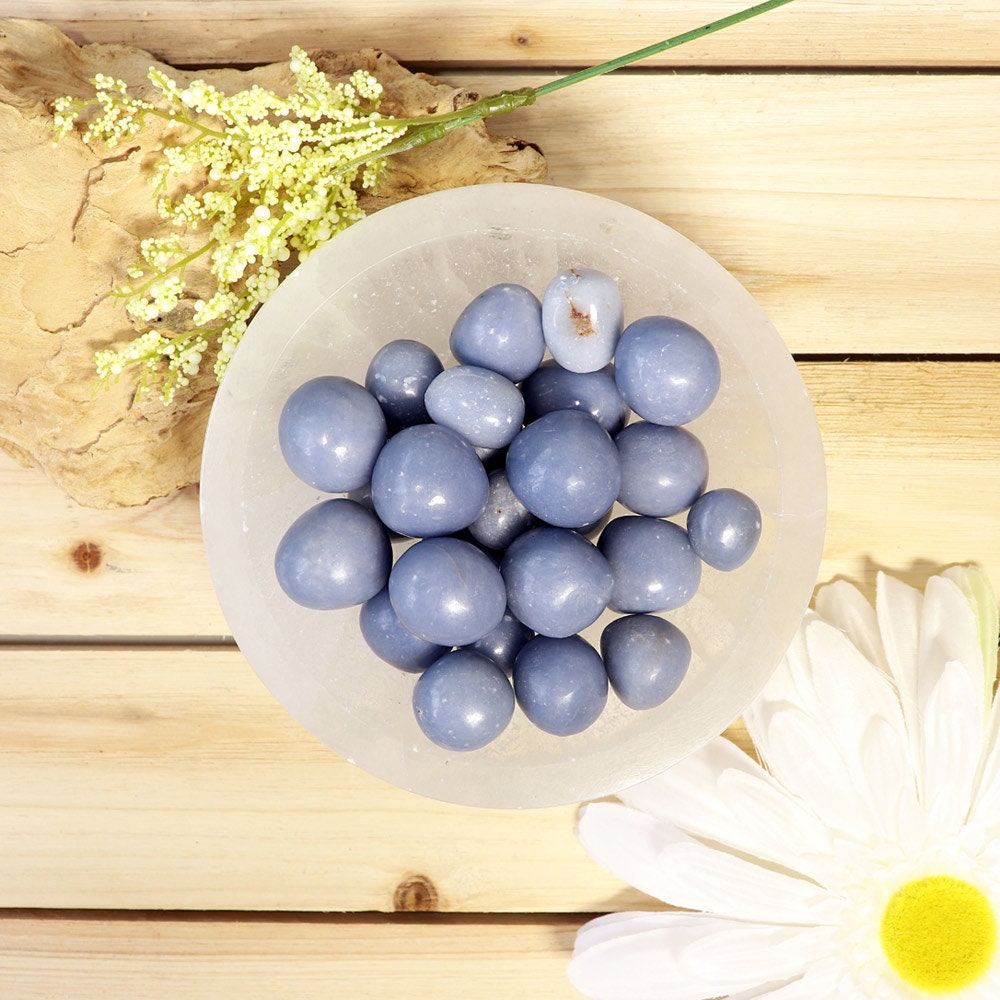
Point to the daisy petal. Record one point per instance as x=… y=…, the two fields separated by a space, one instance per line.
x=897 y=607
x=690 y=956
x=979 y=593
x=821 y=979
x=949 y=632
x=627 y=843
x=612 y=925
x=890 y=780
x=862 y=721
x=846 y=608
x=986 y=805
x=952 y=743
x=662 y=862
x=818 y=776
x=697 y=877
x=720 y=795
x=792 y=681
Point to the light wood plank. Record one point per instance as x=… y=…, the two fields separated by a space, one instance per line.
x=898 y=436
x=108 y=957
x=862 y=212
x=913 y=464
x=169 y=778
x=522 y=33
x=73 y=571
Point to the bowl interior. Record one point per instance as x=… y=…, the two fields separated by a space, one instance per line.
x=408 y=271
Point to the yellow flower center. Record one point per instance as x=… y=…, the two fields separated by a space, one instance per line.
x=939 y=933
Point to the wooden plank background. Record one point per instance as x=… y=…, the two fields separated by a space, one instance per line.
x=166 y=830
x=438 y=33
x=317 y=958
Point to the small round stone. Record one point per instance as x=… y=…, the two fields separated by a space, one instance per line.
x=565 y=469
x=463 y=701
x=483 y=406
x=390 y=641
x=560 y=684
x=330 y=432
x=503 y=518
x=398 y=377
x=428 y=481
x=668 y=372
x=447 y=591
x=582 y=318
x=664 y=469
x=501 y=329
x=557 y=581
x=724 y=526
x=504 y=643
x=552 y=387
x=335 y=555
x=646 y=659
x=652 y=562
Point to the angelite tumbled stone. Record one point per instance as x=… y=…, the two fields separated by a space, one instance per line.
x=653 y=564
x=724 y=526
x=335 y=555
x=503 y=518
x=447 y=591
x=552 y=387
x=560 y=684
x=501 y=329
x=390 y=641
x=664 y=469
x=483 y=406
x=330 y=433
x=646 y=658
x=668 y=372
x=582 y=317
x=463 y=701
x=557 y=581
x=428 y=481
x=565 y=469
x=398 y=376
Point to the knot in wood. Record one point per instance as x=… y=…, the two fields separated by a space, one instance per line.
x=415 y=894
x=87 y=557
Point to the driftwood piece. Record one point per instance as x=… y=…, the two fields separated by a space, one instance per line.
x=71 y=218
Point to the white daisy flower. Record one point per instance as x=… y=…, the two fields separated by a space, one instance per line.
x=862 y=860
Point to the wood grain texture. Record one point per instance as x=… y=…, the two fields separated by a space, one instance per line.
x=909 y=432
x=114 y=957
x=169 y=778
x=75 y=571
x=522 y=33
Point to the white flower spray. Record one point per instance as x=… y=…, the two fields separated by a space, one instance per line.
x=282 y=176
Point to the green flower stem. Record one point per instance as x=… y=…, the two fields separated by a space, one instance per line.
x=485 y=107
x=430 y=128
x=172 y=116
x=178 y=265
x=658 y=47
